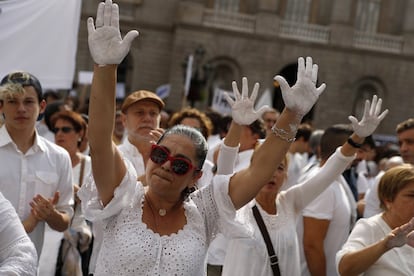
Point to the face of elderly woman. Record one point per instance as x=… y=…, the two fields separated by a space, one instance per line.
x=401 y=209
x=172 y=166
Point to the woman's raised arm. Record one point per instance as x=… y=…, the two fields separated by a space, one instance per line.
x=108 y=49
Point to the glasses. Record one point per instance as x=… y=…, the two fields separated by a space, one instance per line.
x=270 y=121
x=179 y=165
x=63 y=129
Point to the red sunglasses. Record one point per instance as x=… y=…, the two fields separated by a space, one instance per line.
x=179 y=165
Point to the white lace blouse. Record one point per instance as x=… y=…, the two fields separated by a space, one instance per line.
x=129 y=247
x=17 y=252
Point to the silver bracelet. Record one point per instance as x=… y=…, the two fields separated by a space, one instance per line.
x=283 y=134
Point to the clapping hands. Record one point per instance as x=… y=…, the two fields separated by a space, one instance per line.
x=105 y=42
x=302 y=96
x=242 y=107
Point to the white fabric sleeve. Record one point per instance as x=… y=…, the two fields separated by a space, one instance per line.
x=17 y=253
x=360 y=237
x=226 y=159
x=308 y=190
x=123 y=194
x=227 y=223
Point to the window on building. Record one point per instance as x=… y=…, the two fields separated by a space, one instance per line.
x=298 y=10
x=227 y=5
x=365 y=90
x=367 y=15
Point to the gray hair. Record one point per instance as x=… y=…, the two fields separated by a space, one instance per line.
x=195 y=136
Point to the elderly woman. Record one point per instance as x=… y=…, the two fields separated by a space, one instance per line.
x=382 y=245
x=158 y=229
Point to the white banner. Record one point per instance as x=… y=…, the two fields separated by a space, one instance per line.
x=85 y=77
x=219 y=102
x=40 y=37
x=265 y=99
x=188 y=75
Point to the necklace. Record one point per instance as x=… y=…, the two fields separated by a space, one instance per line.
x=162 y=212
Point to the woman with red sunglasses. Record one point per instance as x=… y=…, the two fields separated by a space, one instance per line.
x=158 y=229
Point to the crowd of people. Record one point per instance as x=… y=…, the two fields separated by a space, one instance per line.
x=126 y=188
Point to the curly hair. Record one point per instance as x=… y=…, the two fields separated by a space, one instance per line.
x=206 y=126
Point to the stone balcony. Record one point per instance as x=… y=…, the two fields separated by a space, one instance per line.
x=229 y=20
x=378 y=42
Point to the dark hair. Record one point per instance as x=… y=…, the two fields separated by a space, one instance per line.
x=258 y=127
x=215 y=119
x=24 y=79
x=195 y=136
x=224 y=125
x=333 y=137
x=305 y=131
x=369 y=141
x=52 y=94
x=51 y=109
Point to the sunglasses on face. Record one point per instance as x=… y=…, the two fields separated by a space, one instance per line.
x=63 y=129
x=179 y=165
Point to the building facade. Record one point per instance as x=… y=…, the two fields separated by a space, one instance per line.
x=362 y=47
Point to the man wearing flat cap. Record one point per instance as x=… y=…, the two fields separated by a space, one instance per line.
x=141 y=117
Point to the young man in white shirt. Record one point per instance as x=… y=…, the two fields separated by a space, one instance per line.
x=35 y=175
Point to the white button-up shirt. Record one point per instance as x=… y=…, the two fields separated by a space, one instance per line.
x=44 y=169
x=130 y=152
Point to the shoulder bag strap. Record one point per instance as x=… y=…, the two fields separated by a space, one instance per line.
x=274 y=261
x=82 y=169
x=81 y=172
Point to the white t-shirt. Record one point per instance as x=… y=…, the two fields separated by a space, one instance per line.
x=337 y=205
x=297 y=161
x=372 y=202
x=130 y=152
x=367 y=231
